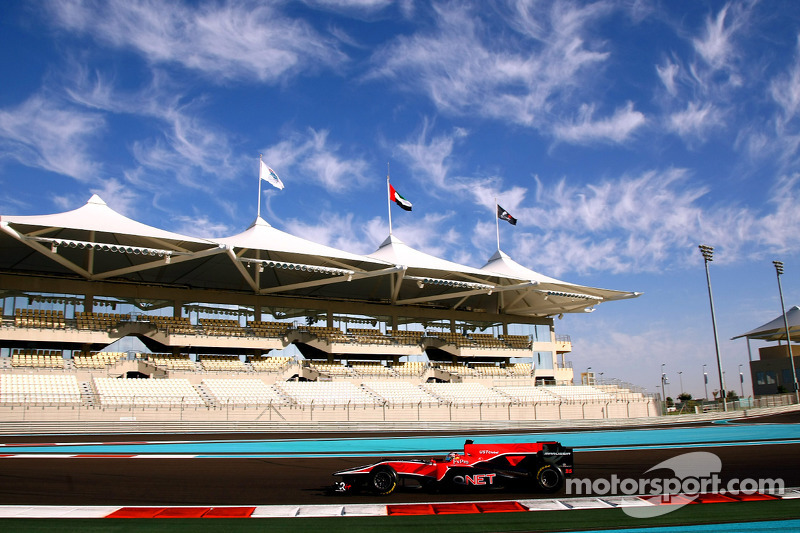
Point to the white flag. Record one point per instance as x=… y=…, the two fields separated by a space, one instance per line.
x=267 y=174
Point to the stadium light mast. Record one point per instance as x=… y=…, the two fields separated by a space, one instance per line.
x=708 y=255
x=779 y=271
x=741 y=379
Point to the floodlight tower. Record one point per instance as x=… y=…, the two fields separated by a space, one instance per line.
x=741 y=379
x=779 y=271
x=708 y=255
x=663 y=386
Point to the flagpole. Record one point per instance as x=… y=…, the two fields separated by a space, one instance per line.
x=388 y=199
x=497 y=223
x=260 y=161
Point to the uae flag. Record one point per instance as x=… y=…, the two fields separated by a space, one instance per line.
x=502 y=214
x=399 y=200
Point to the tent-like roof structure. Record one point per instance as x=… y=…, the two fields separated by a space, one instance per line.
x=775 y=329
x=284 y=263
x=95 y=243
x=546 y=295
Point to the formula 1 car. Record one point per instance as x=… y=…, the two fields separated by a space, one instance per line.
x=540 y=465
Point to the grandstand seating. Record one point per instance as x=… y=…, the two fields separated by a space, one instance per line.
x=487 y=340
x=62 y=388
x=172 y=362
x=410 y=368
x=99 y=321
x=268 y=329
x=400 y=392
x=39 y=388
x=464 y=393
x=156 y=392
x=578 y=393
x=328 y=393
x=402 y=336
x=456 y=339
x=171 y=324
x=269 y=364
x=38 y=318
x=489 y=369
x=455 y=368
x=520 y=369
x=222 y=363
x=368 y=336
x=528 y=394
x=96 y=359
x=520 y=342
x=243 y=392
x=370 y=368
x=221 y=327
x=37 y=358
x=327 y=334
x=331 y=369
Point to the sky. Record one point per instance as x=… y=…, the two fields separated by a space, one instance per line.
x=620 y=134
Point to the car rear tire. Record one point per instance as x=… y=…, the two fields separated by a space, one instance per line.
x=549 y=478
x=383 y=480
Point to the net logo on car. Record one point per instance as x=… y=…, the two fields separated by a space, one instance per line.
x=477 y=479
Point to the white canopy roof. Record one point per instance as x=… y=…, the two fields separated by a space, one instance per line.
x=775 y=329
x=95 y=215
x=393 y=250
x=547 y=296
x=262 y=236
x=97 y=243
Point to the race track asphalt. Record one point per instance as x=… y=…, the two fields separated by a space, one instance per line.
x=291 y=481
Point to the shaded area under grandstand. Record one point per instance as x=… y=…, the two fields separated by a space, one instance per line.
x=705 y=435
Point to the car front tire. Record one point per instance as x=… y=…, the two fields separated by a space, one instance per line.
x=383 y=480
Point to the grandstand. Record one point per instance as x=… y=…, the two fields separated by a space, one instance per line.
x=264 y=318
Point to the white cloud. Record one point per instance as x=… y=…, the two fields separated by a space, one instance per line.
x=618 y=128
x=311 y=157
x=714 y=46
x=201 y=226
x=250 y=40
x=187 y=145
x=47 y=134
x=335 y=230
x=717 y=48
x=668 y=73
x=517 y=78
x=648 y=223
x=430 y=157
x=357 y=6
x=785 y=89
x=695 y=120
x=119 y=197
x=779 y=229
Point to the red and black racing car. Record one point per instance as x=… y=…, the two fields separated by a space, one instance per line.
x=540 y=465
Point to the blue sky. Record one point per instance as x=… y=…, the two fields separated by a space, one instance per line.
x=621 y=134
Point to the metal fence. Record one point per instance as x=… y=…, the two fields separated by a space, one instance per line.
x=42 y=407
